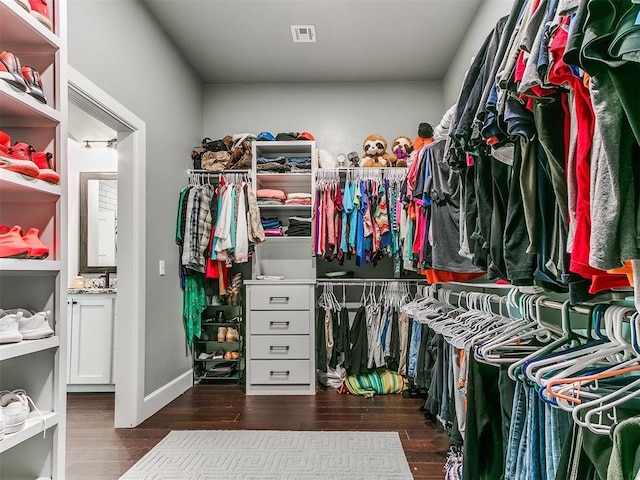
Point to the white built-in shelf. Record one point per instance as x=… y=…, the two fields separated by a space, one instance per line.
x=26 y=347
x=35 y=425
x=19 y=109
x=17 y=187
x=26 y=265
x=20 y=27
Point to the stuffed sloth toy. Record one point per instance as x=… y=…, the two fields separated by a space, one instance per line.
x=402 y=148
x=375 y=153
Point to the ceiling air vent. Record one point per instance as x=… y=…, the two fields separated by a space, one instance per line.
x=303 y=33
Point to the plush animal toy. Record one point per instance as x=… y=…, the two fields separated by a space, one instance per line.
x=375 y=153
x=402 y=148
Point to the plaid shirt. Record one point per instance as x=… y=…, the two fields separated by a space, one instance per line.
x=190 y=251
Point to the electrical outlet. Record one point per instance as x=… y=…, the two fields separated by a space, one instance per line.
x=161 y=269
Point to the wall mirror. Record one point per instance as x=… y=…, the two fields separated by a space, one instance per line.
x=98 y=222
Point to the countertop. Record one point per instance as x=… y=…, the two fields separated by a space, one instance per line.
x=91 y=291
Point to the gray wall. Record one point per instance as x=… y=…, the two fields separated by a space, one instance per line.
x=339 y=115
x=119 y=47
x=489 y=13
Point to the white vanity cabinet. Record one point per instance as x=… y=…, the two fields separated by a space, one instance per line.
x=91 y=328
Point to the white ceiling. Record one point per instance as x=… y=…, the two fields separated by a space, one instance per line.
x=249 y=41
x=83 y=126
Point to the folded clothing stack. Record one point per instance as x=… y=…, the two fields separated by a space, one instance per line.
x=300 y=164
x=299 y=227
x=268 y=196
x=272 y=227
x=273 y=165
x=298 y=199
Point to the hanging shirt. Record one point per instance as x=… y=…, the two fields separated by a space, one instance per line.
x=347 y=203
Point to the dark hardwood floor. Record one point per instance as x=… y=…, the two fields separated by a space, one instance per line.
x=98 y=451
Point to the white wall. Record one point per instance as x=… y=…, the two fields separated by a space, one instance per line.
x=118 y=46
x=339 y=115
x=489 y=13
x=82 y=160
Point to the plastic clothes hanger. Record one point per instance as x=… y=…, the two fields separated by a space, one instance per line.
x=618 y=352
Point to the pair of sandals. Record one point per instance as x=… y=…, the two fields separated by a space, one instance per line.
x=219 y=355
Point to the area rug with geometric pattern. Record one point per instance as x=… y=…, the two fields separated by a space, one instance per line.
x=271 y=455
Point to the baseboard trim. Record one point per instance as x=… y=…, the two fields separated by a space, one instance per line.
x=166 y=394
x=87 y=388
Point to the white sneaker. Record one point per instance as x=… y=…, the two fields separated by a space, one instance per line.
x=15 y=409
x=9 y=327
x=1 y=425
x=36 y=326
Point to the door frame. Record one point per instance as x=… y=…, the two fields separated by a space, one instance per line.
x=129 y=328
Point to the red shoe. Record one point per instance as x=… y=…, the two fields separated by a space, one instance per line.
x=34 y=83
x=43 y=161
x=10 y=71
x=5 y=142
x=18 y=159
x=11 y=243
x=40 y=10
x=37 y=249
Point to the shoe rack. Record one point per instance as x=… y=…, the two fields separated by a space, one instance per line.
x=37 y=366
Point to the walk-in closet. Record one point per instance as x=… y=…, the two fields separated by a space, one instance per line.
x=320 y=239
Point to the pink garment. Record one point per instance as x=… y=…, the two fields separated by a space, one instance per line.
x=273 y=232
x=271 y=193
x=331 y=226
x=298 y=201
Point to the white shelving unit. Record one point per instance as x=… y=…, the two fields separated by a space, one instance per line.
x=289 y=256
x=37 y=366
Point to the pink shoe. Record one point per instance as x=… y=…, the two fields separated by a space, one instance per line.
x=37 y=249
x=11 y=243
x=18 y=159
x=40 y=10
x=43 y=161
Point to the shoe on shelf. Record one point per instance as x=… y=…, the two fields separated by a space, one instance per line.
x=15 y=409
x=47 y=173
x=10 y=71
x=228 y=356
x=204 y=356
x=24 y=4
x=37 y=249
x=34 y=83
x=1 y=425
x=218 y=354
x=9 y=329
x=11 y=243
x=18 y=159
x=35 y=326
x=222 y=334
x=235 y=355
x=232 y=334
x=40 y=10
x=220 y=317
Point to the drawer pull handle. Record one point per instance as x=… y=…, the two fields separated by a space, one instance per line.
x=284 y=373
x=278 y=300
x=279 y=323
x=279 y=347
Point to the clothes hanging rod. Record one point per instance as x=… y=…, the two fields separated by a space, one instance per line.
x=223 y=172
x=580 y=308
x=361 y=281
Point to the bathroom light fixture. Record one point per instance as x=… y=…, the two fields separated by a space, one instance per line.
x=113 y=143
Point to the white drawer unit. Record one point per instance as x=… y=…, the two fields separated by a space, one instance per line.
x=291 y=322
x=281 y=347
x=280 y=338
x=280 y=297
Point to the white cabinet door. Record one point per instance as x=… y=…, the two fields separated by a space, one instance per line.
x=91 y=344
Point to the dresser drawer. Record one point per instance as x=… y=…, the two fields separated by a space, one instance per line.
x=278 y=347
x=292 y=322
x=280 y=297
x=279 y=372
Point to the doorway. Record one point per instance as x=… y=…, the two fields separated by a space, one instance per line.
x=104 y=123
